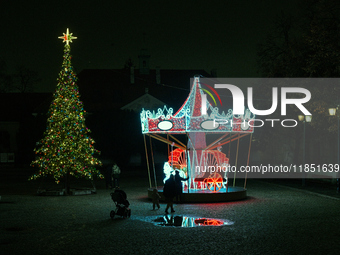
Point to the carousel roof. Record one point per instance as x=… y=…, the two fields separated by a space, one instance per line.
x=192 y=116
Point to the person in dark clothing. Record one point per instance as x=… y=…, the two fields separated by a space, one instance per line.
x=178 y=184
x=169 y=191
x=115 y=174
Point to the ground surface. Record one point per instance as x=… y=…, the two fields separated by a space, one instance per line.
x=275 y=219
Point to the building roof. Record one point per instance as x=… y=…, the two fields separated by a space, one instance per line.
x=146 y=101
x=105 y=89
x=109 y=89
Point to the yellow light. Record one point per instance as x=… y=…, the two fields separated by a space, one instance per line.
x=301 y=117
x=332 y=111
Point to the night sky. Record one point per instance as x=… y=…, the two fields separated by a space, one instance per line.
x=178 y=34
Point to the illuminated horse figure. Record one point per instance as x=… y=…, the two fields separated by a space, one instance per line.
x=206 y=165
x=176 y=162
x=211 y=172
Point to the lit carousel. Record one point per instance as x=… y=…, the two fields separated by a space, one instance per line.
x=205 y=165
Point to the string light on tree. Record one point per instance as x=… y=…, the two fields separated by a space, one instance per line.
x=67 y=148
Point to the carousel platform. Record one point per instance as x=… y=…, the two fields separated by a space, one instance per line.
x=207 y=196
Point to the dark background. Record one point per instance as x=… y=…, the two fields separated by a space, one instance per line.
x=178 y=34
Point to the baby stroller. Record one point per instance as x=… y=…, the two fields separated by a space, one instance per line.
x=122 y=204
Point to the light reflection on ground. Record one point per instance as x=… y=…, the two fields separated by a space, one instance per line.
x=188 y=221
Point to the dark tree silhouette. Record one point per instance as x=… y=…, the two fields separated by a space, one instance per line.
x=25 y=79
x=304 y=45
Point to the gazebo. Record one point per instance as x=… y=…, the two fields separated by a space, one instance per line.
x=205 y=164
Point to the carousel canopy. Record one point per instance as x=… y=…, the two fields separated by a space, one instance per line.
x=195 y=115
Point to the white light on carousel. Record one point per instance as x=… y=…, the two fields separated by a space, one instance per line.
x=301 y=117
x=332 y=111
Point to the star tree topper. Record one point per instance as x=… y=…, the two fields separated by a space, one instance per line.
x=67 y=37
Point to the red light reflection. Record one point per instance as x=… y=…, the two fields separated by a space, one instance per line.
x=208 y=222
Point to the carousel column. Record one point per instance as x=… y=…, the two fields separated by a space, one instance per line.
x=238 y=145
x=196 y=147
x=147 y=160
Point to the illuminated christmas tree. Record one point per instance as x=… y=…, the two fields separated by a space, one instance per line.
x=66 y=149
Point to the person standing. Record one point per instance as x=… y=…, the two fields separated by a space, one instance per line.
x=115 y=174
x=178 y=184
x=169 y=191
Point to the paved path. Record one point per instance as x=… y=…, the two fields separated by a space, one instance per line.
x=273 y=220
